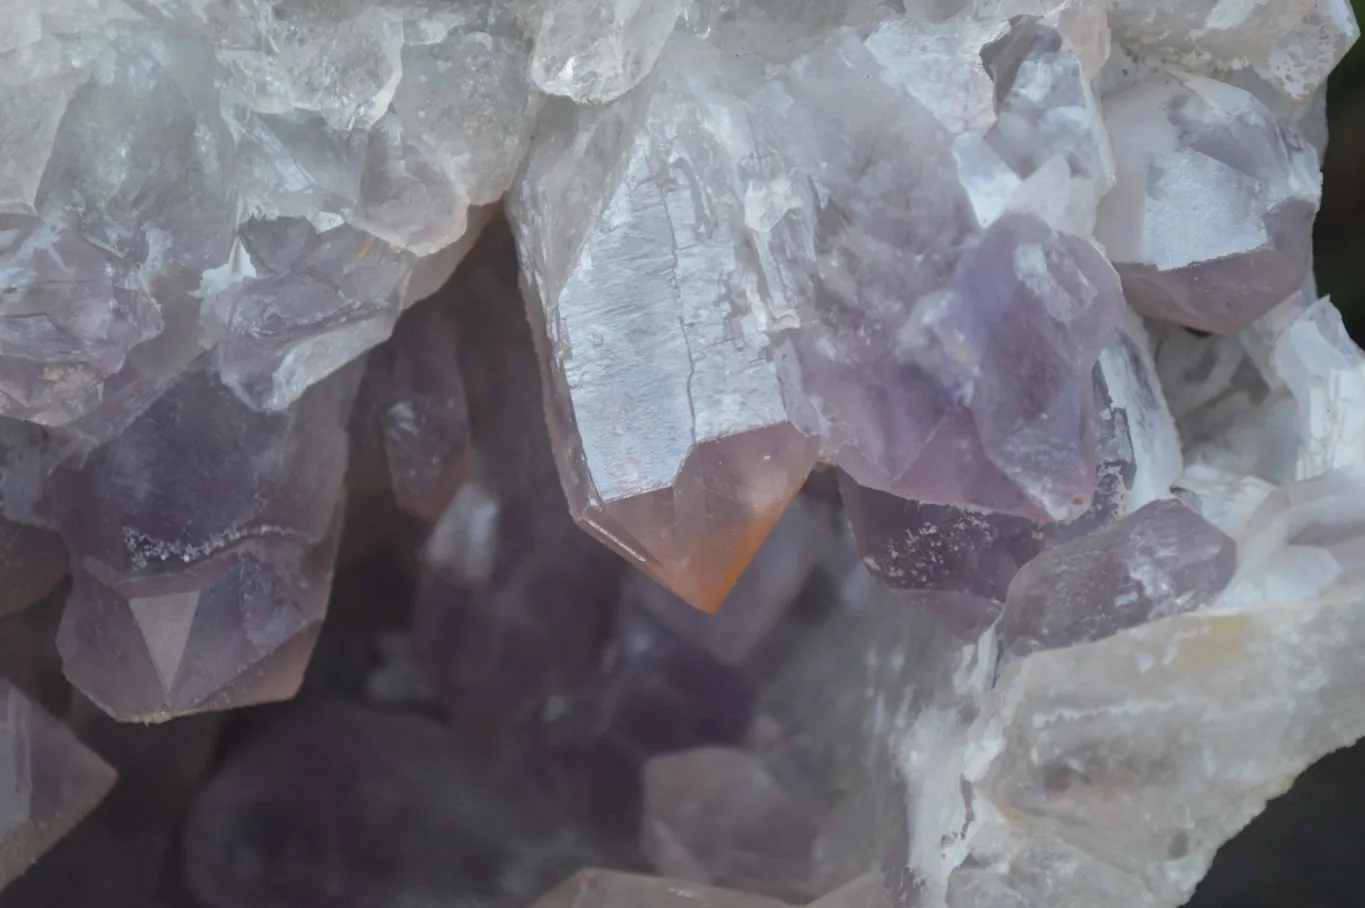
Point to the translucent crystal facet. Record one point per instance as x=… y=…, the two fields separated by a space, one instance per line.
x=70 y=312
x=1161 y=560
x=901 y=319
x=311 y=303
x=596 y=50
x=715 y=815
x=1209 y=222
x=49 y=781
x=609 y=889
x=183 y=602
x=32 y=559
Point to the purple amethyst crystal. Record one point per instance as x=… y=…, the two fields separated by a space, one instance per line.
x=49 y=781
x=914 y=545
x=203 y=540
x=1161 y=560
x=333 y=806
x=32 y=559
x=417 y=424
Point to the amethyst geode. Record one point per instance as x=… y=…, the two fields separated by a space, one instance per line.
x=289 y=290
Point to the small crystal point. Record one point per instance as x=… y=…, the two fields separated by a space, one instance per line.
x=594 y=51
x=210 y=592
x=49 y=781
x=611 y=889
x=715 y=815
x=1209 y=223
x=1161 y=560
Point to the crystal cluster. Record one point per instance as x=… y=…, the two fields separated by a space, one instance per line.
x=618 y=303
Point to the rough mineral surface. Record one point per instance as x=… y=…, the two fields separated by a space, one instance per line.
x=1026 y=283
x=49 y=781
x=1159 y=561
x=203 y=542
x=1182 y=143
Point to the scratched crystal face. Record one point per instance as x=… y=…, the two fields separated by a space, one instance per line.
x=692 y=487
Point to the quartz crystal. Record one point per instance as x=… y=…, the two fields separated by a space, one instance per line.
x=596 y=50
x=1293 y=44
x=185 y=602
x=49 y=781
x=32 y=559
x=1161 y=560
x=1025 y=284
x=1189 y=152
x=913 y=545
x=286 y=165
x=715 y=815
x=608 y=889
x=889 y=413
x=692 y=490
x=304 y=817
x=419 y=427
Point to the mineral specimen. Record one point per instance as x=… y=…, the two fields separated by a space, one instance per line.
x=420 y=413
x=1190 y=151
x=32 y=559
x=1159 y=561
x=967 y=256
x=49 y=781
x=715 y=815
x=203 y=540
x=607 y=889
x=300 y=819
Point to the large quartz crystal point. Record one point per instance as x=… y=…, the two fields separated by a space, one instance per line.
x=1210 y=222
x=49 y=781
x=594 y=51
x=716 y=815
x=514 y=605
x=1110 y=759
x=300 y=306
x=339 y=807
x=1293 y=45
x=32 y=557
x=203 y=540
x=1162 y=560
x=610 y=889
x=946 y=315
x=912 y=545
x=662 y=396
